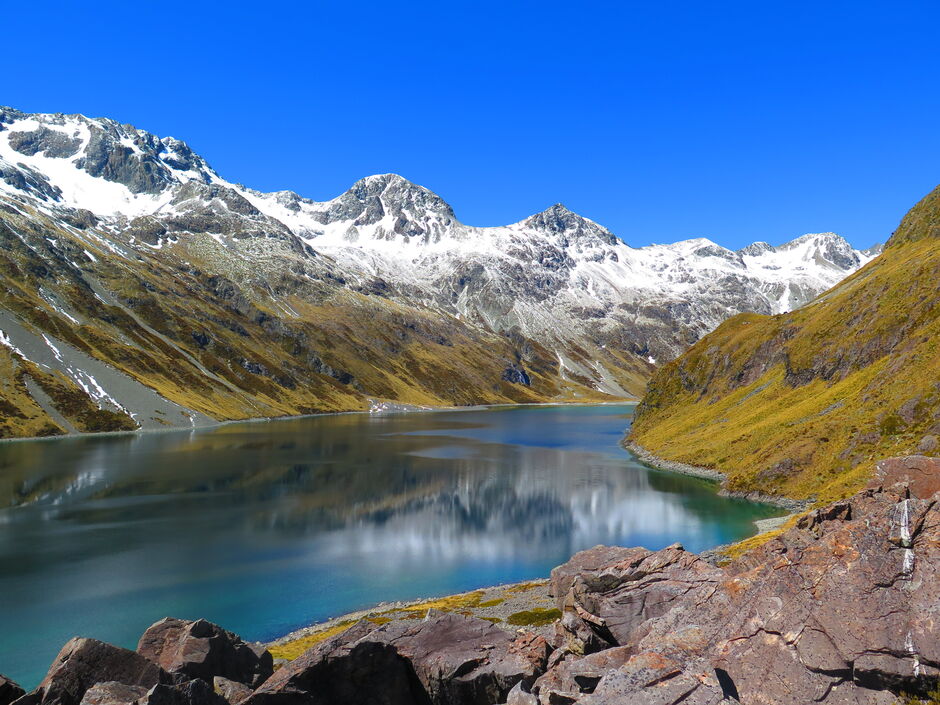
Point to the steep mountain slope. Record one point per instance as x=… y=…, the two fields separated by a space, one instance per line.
x=801 y=403
x=142 y=289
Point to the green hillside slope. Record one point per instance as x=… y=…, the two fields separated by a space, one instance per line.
x=803 y=403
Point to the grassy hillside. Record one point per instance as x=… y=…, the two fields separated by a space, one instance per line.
x=223 y=332
x=803 y=403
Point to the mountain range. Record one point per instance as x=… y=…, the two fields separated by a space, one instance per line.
x=144 y=290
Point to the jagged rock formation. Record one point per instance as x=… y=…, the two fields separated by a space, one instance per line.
x=200 y=649
x=143 y=290
x=844 y=608
x=799 y=403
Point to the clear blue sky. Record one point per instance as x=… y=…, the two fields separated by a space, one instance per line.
x=737 y=121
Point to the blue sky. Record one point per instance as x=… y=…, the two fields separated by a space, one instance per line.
x=663 y=121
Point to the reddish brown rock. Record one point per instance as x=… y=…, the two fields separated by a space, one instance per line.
x=83 y=663
x=446 y=659
x=9 y=690
x=574 y=676
x=649 y=678
x=200 y=649
x=343 y=671
x=590 y=562
x=611 y=605
x=920 y=473
x=844 y=608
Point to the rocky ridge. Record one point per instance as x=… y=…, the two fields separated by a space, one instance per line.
x=144 y=290
x=840 y=609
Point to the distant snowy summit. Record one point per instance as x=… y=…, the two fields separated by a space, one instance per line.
x=555 y=278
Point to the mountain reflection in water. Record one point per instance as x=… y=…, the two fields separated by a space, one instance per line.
x=263 y=527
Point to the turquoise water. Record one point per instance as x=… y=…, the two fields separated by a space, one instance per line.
x=266 y=527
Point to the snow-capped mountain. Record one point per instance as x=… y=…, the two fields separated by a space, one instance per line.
x=559 y=300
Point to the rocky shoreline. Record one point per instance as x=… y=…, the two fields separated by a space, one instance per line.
x=843 y=608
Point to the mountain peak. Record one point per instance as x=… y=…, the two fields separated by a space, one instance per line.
x=558 y=219
x=755 y=249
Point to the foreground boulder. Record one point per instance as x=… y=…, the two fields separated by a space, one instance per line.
x=9 y=691
x=200 y=649
x=193 y=692
x=610 y=604
x=113 y=693
x=234 y=693
x=83 y=663
x=446 y=659
x=844 y=608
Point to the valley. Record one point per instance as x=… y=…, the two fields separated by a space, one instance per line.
x=143 y=290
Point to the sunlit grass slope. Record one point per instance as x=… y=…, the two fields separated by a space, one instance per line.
x=803 y=403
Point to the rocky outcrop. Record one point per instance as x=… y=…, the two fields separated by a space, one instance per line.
x=447 y=659
x=232 y=692
x=200 y=649
x=175 y=664
x=9 y=691
x=841 y=609
x=113 y=693
x=83 y=663
x=193 y=692
x=920 y=473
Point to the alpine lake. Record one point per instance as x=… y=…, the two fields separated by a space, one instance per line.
x=265 y=527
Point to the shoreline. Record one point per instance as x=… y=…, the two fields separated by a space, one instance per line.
x=405 y=409
x=654 y=461
x=513 y=607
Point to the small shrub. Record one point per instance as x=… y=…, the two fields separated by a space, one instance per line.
x=535 y=617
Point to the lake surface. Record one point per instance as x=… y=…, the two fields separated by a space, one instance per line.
x=266 y=527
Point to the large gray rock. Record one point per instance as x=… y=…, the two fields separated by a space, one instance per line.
x=83 y=663
x=200 y=649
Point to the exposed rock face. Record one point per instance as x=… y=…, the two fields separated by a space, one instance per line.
x=204 y=650
x=921 y=473
x=842 y=609
x=112 y=693
x=612 y=604
x=194 y=692
x=9 y=691
x=343 y=671
x=235 y=693
x=447 y=659
x=83 y=663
